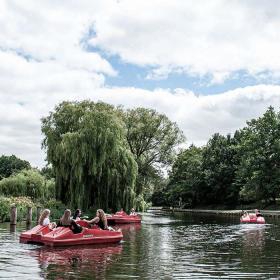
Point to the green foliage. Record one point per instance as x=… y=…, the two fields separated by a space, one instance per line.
x=20 y=202
x=185 y=177
x=229 y=170
x=57 y=208
x=4 y=208
x=86 y=145
x=153 y=140
x=258 y=172
x=141 y=204
x=160 y=198
x=27 y=183
x=48 y=172
x=219 y=168
x=11 y=164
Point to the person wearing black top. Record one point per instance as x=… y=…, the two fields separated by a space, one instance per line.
x=258 y=213
x=77 y=215
x=100 y=219
x=66 y=221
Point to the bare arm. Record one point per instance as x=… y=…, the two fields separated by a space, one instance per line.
x=93 y=221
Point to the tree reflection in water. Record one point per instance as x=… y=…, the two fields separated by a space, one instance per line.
x=83 y=262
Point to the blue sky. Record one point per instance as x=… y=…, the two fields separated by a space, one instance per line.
x=130 y=75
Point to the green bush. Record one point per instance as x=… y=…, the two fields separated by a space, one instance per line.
x=28 y=183
x=4 y=208
x=57 y=208
x=20 y=202
x=141 y=204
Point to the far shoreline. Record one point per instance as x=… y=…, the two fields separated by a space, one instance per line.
x=266 y=213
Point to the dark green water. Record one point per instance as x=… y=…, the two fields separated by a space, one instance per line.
x=163 y=247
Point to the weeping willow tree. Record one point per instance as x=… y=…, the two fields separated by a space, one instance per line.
x=86 y=145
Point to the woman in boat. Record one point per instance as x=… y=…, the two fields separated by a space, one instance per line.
x=77 y=215
x=132 y=212
x=244 y=214
x=44 y=219
x=99 y=220
x=258 y=213
x=66 y=221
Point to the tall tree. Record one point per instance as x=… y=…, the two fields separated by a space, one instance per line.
x=12 y=164
x=153 y=140
x=259 y=171
x=219 y=168
x=186 y=177
x=86 y=145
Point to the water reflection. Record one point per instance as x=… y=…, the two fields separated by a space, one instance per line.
x=253 y=238
x=90 y=262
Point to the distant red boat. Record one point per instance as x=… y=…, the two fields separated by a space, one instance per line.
x=34 y=235
x=123 y=218
x=252 y=218
x=63 y=236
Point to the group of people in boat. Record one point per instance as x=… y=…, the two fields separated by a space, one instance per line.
x=67 y=220
x=245 y=214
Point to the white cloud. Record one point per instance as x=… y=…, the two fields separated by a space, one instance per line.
x=44 y=60
x=216 y=37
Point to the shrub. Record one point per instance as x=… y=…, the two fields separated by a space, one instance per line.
x=20 y=202
x=57 y=208
x=28 y=183
x=141 y=204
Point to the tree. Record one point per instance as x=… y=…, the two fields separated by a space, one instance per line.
x=11 y=164
x=48 y=172
x=186 y=177
x=87 y=148
x=219 y=168
x=153 y=140
x=258 y=174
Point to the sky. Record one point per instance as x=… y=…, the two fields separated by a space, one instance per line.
x=208 y=65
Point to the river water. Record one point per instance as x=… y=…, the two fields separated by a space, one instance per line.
x=162 y=247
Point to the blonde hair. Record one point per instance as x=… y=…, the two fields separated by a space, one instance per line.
x=65 y=219
x=44 y=215
x=102 y=217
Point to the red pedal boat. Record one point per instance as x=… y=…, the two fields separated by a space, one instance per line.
x=123 y=218
x=34 y=235
x=252 y=218
x=63 y=236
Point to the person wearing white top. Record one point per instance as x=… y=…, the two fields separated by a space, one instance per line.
x=44 y=219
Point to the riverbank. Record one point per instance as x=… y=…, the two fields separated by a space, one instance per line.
x=266 y=213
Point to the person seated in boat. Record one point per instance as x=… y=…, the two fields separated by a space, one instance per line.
x=44 y=219
x=258 y=213
x=244 y=214
x=66 y=221
x=77 y=215
x=132 y=212
x=100 y=220
x=121 y=212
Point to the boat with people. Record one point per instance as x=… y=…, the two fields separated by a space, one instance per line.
x=64 y=236
x=121 y=217
x=255 y=218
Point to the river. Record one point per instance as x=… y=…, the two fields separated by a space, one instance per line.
x=180 y=246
